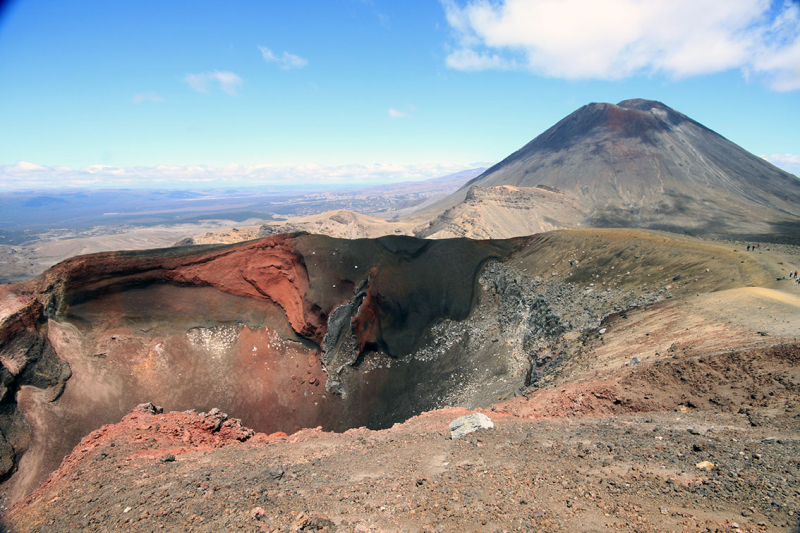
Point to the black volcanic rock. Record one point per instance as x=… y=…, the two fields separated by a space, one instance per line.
x=642 y=164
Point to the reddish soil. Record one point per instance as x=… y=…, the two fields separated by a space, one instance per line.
x=546 y=466
x=267 y=269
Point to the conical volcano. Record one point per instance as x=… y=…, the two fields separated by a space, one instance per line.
x=636 y=164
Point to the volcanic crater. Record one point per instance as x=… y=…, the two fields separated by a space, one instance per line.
x=298 y=331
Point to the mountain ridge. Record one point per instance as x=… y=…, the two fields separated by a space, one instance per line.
x=642 y=164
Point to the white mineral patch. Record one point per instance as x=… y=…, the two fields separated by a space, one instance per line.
x=216 y=341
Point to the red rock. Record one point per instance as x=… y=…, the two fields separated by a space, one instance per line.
x=268 y=269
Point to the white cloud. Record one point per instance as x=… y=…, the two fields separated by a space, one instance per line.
x=285 y=60
x=29 y=176
x=138 y=98
x=394 y=113
x=202 y=83
x=614 y=39
x=103 y=170
x=468 y=59
x=788 y=162
x=24 y=165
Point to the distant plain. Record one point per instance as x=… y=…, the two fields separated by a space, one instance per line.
x=39 y=229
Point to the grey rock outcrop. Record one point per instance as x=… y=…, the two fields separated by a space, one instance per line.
x=339 y=346
x=465 y=425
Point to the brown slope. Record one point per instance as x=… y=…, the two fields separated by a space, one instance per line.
x=505 y=211
x=340 y=223
x=642 y=164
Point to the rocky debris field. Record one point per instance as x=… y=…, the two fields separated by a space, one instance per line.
x=634 y=382
x=685 y=468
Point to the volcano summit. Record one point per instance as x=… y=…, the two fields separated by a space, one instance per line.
x=637 y=164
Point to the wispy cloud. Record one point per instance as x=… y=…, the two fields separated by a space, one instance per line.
x=382 y=17
x=285 y=60
x=23 y=166
x=394 y=113
x=205 y=81
x=468 y=59
x=615 y=39
x=788 y=162
x=139 y=98
x=30 y=176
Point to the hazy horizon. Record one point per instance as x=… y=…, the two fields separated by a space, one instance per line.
x=187 y=95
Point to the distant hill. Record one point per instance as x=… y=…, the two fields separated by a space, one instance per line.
x=505 y=211
x=341 y=224
x=637 y=164
x=384 y=202
x=38 y=230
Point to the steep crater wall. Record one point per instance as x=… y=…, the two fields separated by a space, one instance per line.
x=300 y=331
x=240 y=328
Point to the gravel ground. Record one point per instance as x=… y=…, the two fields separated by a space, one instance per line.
x=678 y=416
x=637 y=472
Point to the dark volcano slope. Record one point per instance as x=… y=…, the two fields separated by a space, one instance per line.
x=641 y=164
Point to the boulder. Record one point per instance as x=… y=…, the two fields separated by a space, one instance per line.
x=467 y=424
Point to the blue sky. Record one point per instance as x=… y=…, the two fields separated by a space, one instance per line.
x=179 y=93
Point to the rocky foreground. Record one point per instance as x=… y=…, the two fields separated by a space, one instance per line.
x=636 y=381
x=678 y=467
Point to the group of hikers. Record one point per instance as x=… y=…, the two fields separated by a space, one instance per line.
x=792 y=274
